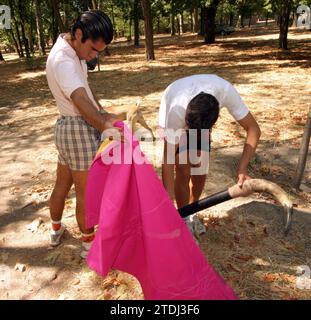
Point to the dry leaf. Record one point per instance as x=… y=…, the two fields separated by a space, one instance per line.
x=270 y=277
x=34 y=225
x=244 y=257
x=76 y=282
x=233 y=267
x=264 y=170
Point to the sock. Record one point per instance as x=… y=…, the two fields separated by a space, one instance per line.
x=56 y=225
x=88 y=237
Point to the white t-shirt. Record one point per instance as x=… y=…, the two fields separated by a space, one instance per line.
x=177 y=96
x=65 y=73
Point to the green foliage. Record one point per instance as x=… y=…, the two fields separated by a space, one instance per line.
x=122 y=13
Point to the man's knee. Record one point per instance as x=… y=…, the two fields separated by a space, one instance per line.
x=183 y=171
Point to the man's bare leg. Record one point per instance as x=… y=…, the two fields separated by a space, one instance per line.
x=79 y=180
x=197 y=183
x=182 y=190
x=62 y=186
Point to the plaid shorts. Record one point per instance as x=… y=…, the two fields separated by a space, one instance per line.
x=76 y=142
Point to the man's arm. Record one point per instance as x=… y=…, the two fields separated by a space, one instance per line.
x=96 y=100
x=252 y=129
x=168 y=168
x=91 y=115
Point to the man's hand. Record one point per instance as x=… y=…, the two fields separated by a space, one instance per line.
x=242 y=175
x=99 y=120
x=109 y=130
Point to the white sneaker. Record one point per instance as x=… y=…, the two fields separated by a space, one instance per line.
x=85 y=247
x=198 y=226
x=55 y=236
x=189 y=224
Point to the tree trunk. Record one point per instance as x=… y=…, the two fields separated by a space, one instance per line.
x=19 y=41
x=242 y=20
x=58 y=19
x=195 y=20
x=130 y=26
x=67 y=15
x=136 y=24
x=172 y=23
x=54 y=24
x=85 y=5
x=285 y=11
x=250 y=21
x=178 y=25
x=209 y=15
x=181 y=23
x=113 y=21
x=15 y=43
x=22 y=23
x=158 y=25
x=191 y=20
x=202 y=21
x=40 y=27
x=1 y=57
x=231 y=17
x=148 y=29
x=30 y=38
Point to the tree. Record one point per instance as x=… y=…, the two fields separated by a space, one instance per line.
x=39 y=27
x=283 y=9
x=148 y=29
x=1 y=57
x=21 y=9
x=208 y=15
x=136 y=23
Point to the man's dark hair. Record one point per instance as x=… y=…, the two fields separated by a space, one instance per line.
x=202 y=111
x=94 y=25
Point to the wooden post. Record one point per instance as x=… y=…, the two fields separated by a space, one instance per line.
x=303 y=153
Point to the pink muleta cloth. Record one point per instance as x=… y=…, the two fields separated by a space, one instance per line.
x=141 y=232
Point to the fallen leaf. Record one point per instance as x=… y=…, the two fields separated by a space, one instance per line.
x=76 y=282
x=32 y=203
x=264 y=170
x=244 y=257
x=270 y=277
x=233 y=267
x=34 y=225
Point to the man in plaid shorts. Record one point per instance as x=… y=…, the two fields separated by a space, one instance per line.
x=78 y=130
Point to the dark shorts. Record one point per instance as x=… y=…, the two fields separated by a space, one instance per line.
x=199 y=146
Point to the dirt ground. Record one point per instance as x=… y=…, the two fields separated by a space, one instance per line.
x=244 y=239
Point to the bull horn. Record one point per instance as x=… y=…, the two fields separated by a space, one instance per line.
x=261 y=185
x=249 y=186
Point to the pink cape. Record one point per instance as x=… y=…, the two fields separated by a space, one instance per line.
x=140 y=231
